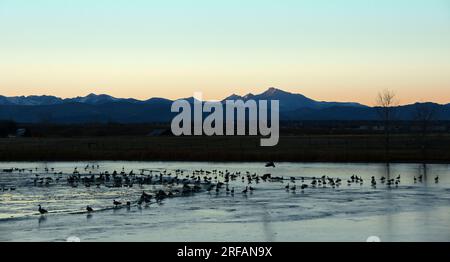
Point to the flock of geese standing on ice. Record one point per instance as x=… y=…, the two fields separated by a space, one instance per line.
x=179 y=183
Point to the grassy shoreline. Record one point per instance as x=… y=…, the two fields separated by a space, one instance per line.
x=306 y=148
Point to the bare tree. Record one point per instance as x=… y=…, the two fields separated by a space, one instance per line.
x=424 y=115
x=386 y=103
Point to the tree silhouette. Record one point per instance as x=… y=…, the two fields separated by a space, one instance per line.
x=424 y=114
x=386 y=104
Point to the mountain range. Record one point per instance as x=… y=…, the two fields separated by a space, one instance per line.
x=105 y=108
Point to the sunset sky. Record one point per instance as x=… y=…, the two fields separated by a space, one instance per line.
x=328 y=50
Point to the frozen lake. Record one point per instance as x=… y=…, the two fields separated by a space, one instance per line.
x=413 y=210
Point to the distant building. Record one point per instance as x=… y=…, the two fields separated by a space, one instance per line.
x=21 y=132
x=160 y=132
x=364 y=127
x=378 y=128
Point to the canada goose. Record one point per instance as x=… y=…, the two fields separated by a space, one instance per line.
x=89 y=209
x=147 y=199
x=436 y=179
x=304 y=186
x=287 y=187
x=116 y=203
x=245 y=190
x=41 y=210
x=270 y=164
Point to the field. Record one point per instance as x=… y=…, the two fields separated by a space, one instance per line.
x=297 y=148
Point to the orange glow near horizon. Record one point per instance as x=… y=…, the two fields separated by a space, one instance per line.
x=326 y=50
x=334 y=84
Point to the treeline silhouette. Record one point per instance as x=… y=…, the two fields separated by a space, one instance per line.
x=327 y=141
x=9 y=128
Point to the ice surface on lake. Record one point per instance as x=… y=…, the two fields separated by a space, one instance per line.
x=410 y=212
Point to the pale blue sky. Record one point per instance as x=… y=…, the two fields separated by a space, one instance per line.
x=328 y=50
